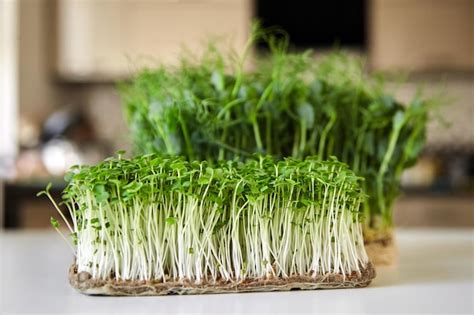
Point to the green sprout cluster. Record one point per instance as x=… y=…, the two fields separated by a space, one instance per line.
x=287 y=105
x=168 y=219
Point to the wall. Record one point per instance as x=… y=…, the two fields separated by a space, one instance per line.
x=41 y=91
x=38 y=92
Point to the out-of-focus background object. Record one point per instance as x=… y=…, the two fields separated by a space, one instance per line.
x=60 y=61
x=105 y=40
x=422 y=35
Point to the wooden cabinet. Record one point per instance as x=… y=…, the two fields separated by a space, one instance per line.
x=110 y=39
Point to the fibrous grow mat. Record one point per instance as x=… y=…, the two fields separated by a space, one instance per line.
x=382 y=248
x=155 y=225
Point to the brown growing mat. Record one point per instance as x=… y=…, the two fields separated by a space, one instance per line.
x=83 y=283
x=382 y=252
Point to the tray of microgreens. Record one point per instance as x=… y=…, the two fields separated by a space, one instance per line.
x=155 y=225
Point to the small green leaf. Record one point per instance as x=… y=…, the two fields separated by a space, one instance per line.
x=203 y=180
x=171 y=220
x=68 y=176
x=178 y=166
x=43 y=192
x=100 y=194
x=54 y=223
x=74 y=238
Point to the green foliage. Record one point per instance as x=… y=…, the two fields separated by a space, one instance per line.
x=289 y=105
x=150 y=178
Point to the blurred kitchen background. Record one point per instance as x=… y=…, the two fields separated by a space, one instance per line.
x=60 y=61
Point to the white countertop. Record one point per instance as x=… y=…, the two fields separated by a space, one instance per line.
x=434 y=275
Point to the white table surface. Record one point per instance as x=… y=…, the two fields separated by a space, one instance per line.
x=434 y=275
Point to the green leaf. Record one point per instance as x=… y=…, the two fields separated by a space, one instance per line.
x=68 y=176
x=203 y=180
x=171 y=220
x=40 y=193
x=45 y=191
x=74 y=238
x=54 y=223
x=100 y=194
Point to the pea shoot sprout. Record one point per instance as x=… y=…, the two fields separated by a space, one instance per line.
x=290 y=104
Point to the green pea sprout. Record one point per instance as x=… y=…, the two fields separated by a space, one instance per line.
x=288 y=104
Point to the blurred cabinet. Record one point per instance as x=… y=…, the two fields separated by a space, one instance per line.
x=421 y=35
x=110 y=39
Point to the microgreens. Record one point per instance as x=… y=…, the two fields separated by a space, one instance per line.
x=168 y=219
